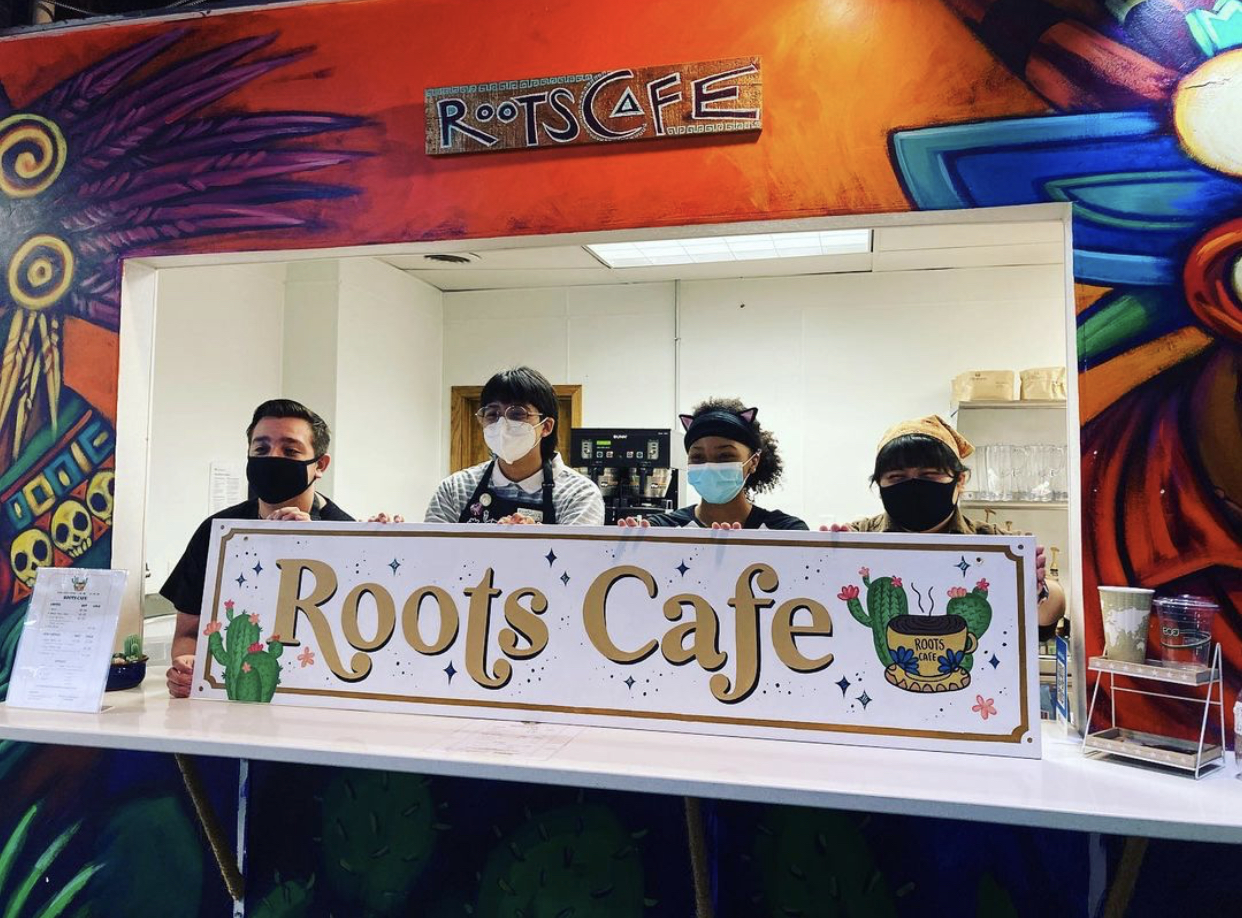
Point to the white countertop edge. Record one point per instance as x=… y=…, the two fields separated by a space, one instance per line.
x=654 y=780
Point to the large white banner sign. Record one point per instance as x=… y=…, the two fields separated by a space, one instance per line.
x=911 y=641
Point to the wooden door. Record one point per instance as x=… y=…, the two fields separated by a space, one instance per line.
x=467 y=446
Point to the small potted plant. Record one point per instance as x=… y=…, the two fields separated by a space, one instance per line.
x=129 y=666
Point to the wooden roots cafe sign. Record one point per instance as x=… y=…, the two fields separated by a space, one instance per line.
x=911 y=641
x=617 y=105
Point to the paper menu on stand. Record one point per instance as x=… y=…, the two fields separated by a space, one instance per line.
x=228 y=486
x=65 y=648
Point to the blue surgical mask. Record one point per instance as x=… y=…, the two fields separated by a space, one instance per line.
x=717 y=482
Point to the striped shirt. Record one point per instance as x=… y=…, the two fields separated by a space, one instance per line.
x=576 y=498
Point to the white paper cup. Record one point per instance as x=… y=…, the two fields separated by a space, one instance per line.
x=1126 y=612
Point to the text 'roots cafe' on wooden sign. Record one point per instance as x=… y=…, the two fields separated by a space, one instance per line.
x=680 y=100
x=893 y=640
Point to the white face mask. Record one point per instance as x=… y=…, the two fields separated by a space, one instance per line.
x=510 y=440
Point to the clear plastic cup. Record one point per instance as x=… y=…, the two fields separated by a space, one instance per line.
x=1186 y=628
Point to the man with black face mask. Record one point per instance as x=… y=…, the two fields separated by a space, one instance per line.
x=288 y=454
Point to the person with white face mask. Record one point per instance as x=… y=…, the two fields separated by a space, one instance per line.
x=730 y=458
x=525 y=481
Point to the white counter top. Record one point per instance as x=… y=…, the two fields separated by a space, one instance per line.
x=1064 y=790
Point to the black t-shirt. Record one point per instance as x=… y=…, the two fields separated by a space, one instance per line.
x=184 y=587
x=758 y=519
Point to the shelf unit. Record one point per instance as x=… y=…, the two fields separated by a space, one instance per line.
x=1185 y=755
x=1016 y=403
x=1000 y=505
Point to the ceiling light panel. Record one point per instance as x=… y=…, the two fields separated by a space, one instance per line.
x=753 y=247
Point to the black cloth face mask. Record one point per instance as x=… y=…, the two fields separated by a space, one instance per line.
x=917 y=505
x=276 y=479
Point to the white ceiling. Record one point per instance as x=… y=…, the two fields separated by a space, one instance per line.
x=894 y=248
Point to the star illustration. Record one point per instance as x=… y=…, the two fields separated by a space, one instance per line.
x=551 y=557
x=864 y=699
x=843 y=685
x=394 y=564
x=682 y=568
x=450 y=672
x=994 y=662
x=629 y=682
x=963 y=565
x=258 y=568
x=241 y=579
x=565 y=578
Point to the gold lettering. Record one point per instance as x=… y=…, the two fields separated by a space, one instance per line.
x=449 y=621
x=524 y=623
x=289 y=604
x=746 y=607
x=703 y=628
x=385 y=611
x=478 y=626
x=595 y=614
x=785 y=633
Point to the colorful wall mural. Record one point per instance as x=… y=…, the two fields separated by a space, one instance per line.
x=302 y=126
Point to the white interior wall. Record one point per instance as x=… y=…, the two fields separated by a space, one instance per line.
x=388 y=387
x=830 y=360
x=833 y=360
x=312 y=323
x=217 y=355
x=356 y=340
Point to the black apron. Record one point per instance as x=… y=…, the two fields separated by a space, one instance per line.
x=485 y=506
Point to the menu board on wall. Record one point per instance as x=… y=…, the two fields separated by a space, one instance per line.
x=680 y=100
x=877 y=639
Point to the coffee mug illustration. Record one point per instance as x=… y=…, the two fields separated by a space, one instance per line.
x=922 y=653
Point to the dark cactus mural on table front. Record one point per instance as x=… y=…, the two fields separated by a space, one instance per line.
x=300 y=126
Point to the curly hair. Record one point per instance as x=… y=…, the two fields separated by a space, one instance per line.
x=771 y=467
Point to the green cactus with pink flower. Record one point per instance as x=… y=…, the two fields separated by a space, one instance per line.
x=886 y=599
x=975 y=609
x=251 y=670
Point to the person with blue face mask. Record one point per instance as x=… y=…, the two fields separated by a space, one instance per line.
x=730 y=457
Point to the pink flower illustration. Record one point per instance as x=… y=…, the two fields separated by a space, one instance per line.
x=212 y=628
x=985 y=707
x=256 y=647
x=982 y=585
x=254 y=618
x=847 y=593
x=245 y=667
x=864 y=572
x=228 y=605
x=307 y=657
x=896 y=581
x=957 y=592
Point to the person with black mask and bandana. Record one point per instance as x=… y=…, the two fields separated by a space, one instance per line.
x=919 y=471
x=288 y=454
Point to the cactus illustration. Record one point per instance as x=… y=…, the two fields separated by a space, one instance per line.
x=886 y=599
x=573 y=861
x=251 y=671
x=379 y=832
x=817 y=862
x=975 y=609
x=289 y=899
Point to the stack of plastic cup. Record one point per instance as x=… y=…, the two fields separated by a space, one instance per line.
x=1186 y=629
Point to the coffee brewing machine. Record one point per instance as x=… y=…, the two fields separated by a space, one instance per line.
x=632 y=467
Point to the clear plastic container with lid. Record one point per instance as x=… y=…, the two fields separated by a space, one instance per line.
x=1185 y=628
